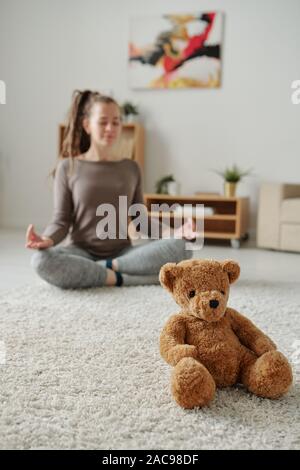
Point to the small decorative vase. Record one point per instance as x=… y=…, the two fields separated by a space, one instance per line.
x=131 y=118
x=230 y=189
x=173 y=188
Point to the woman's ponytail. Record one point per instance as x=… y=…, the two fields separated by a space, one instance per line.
x=76 y=140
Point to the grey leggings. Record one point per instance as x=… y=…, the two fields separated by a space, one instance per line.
x=72 y=267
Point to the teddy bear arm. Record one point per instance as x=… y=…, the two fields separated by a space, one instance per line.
x=249 y=335
x=172 y=345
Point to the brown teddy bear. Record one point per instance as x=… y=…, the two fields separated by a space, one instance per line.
x=211 y=345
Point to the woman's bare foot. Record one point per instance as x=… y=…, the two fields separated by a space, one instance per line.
x=111 y=278
x=114 y=264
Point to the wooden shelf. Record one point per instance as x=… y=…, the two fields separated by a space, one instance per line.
x=206 y=217
x=219 y=235
x=193 y=198
x=229 y=222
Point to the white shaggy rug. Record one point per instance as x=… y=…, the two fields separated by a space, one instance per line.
x=81 y=369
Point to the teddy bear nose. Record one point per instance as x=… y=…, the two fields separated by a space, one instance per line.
x=213 y=303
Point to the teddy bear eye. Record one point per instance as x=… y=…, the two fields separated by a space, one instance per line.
x=192 y=293
x=222 y=292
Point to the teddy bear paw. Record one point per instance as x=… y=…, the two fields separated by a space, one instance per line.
x=271 y=375
x=192 y=385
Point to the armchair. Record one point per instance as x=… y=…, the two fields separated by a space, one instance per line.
x=278 y=224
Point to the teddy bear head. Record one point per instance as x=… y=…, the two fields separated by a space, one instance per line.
x=199 y=286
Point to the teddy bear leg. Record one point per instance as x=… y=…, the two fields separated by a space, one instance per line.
x=268 y=376
x=191 y=384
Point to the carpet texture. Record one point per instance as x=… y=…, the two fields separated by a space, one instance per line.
x=82 y=370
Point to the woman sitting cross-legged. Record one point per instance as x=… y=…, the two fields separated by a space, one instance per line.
x=88 y=175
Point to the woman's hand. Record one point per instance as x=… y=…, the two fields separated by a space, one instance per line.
x=187 y=230
x=35 y=242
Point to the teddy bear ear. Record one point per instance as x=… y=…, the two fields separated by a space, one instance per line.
x=167 y=275
x=232 y=269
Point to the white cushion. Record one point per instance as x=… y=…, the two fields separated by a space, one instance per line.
x=290 y=237
x=290 y=210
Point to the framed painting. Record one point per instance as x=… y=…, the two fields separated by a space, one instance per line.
x=176 y=51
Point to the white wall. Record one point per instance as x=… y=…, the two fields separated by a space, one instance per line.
x=50 y=47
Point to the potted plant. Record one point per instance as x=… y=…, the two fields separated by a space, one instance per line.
x=129 y=111
x=232 y=175
x=162 y=186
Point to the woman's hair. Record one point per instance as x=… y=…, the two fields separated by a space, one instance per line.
x=75 y=140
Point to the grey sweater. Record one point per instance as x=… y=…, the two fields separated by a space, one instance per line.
x=78 y=194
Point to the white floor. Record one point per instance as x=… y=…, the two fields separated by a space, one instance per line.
x=66 y=385
x=15 y=269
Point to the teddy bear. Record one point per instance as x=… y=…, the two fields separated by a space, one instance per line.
x=211 y=345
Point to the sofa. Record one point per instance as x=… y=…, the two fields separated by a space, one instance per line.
x=278 y=224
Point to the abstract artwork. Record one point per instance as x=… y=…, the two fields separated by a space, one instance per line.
x=176 y=51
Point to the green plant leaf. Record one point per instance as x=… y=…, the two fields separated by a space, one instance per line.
x=161 y=184
x=233 y=174
x=129 y=108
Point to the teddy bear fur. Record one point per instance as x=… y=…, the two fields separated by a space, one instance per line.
x=211 y=345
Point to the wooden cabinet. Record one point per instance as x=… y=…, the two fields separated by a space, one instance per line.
x=131 y=143
x=229 y=219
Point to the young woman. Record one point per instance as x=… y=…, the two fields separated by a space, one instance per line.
x=88 y=175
